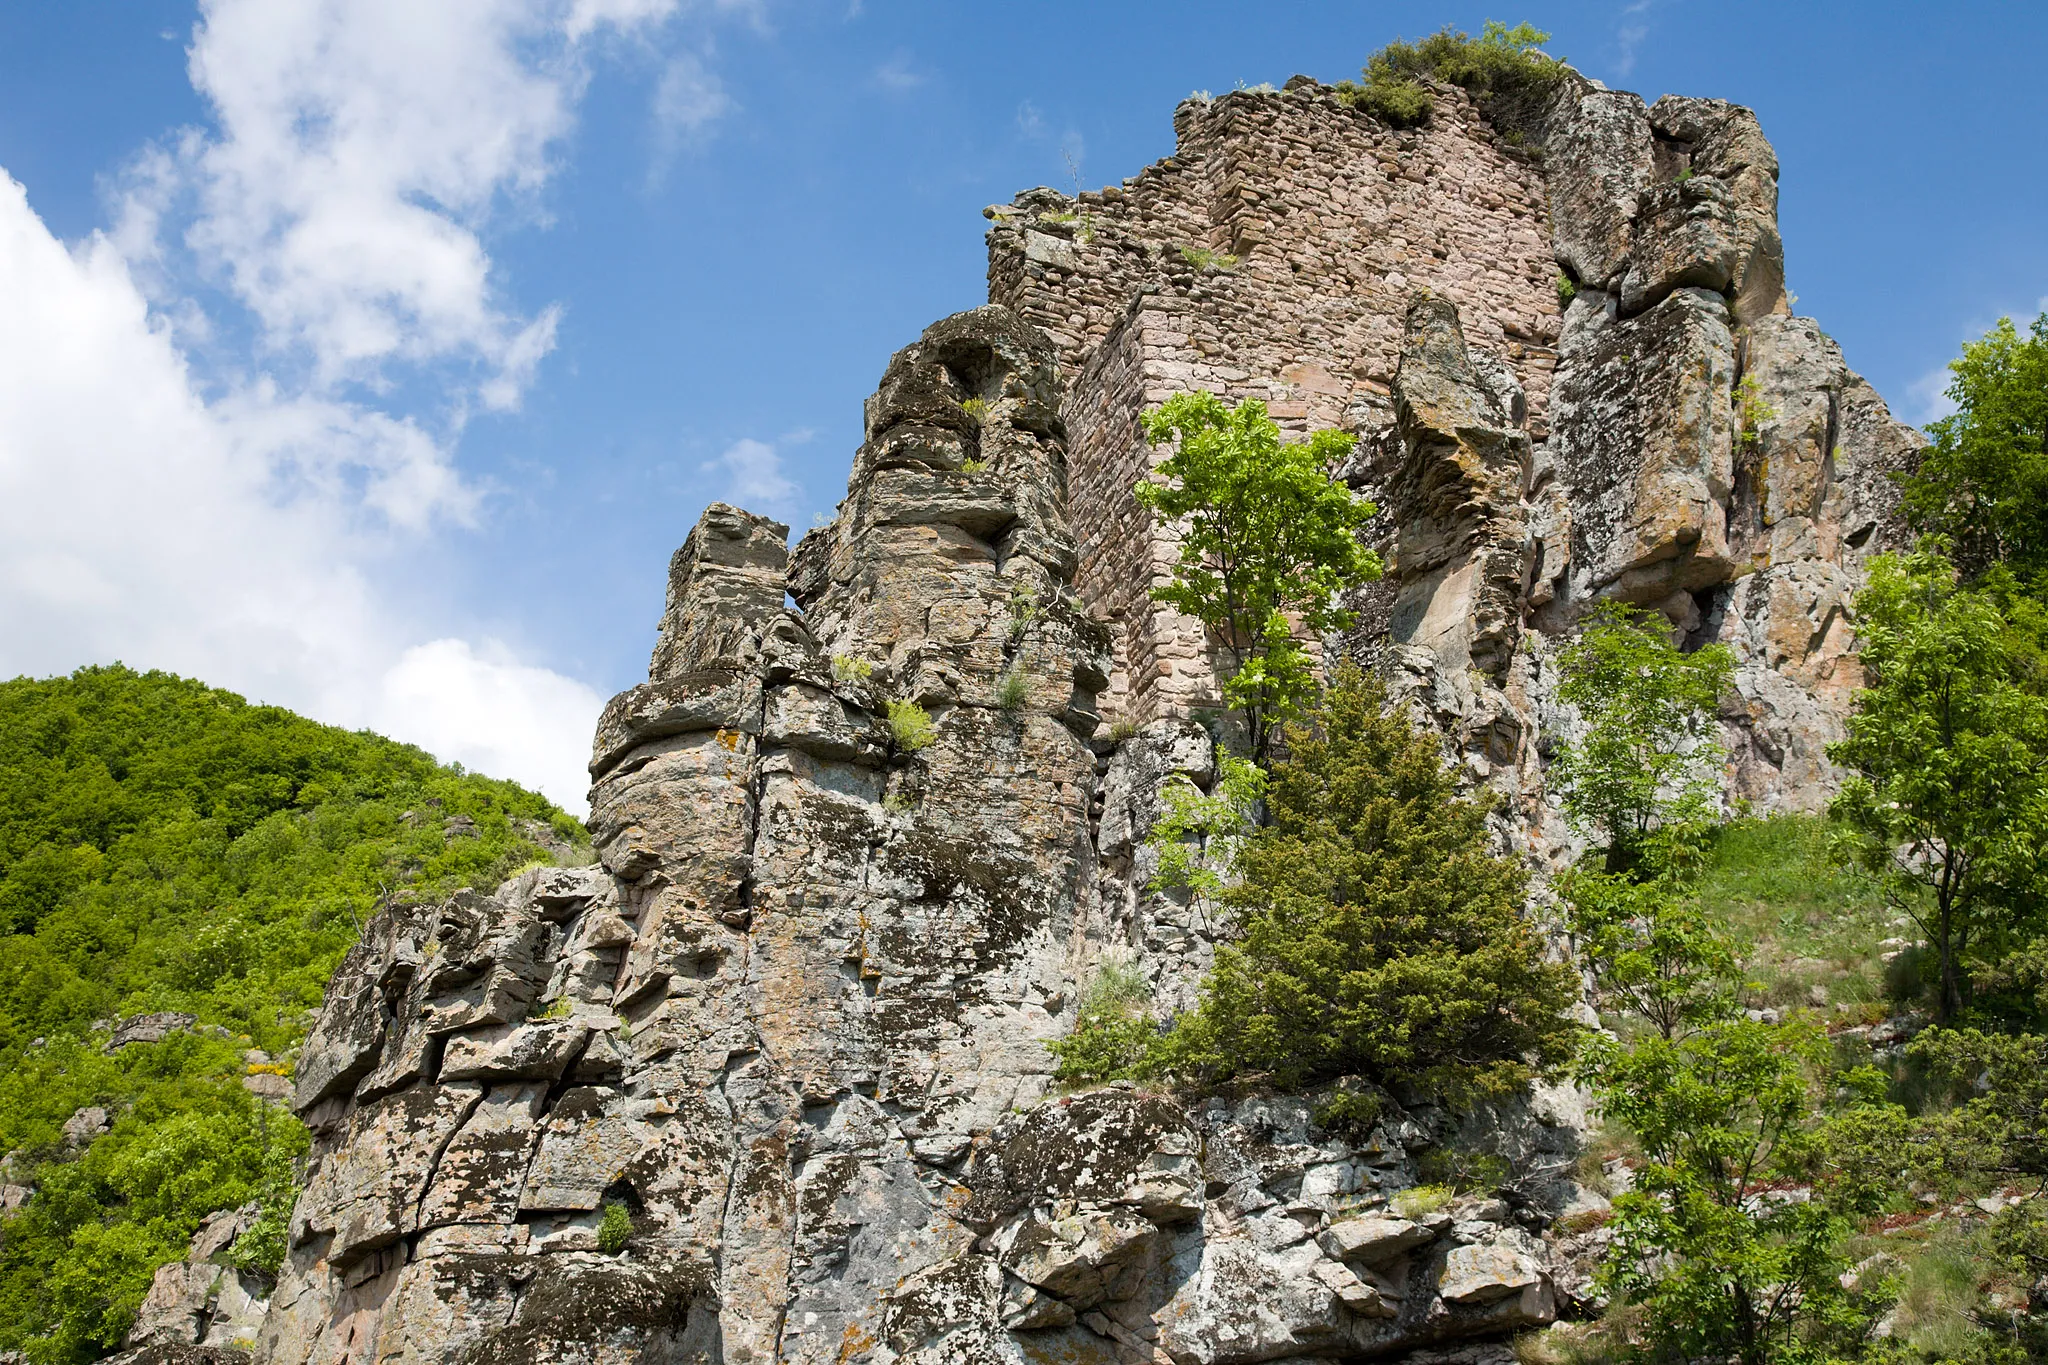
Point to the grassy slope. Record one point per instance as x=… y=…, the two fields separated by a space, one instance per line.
x=167 y=846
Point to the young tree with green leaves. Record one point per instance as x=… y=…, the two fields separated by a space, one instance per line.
x=1652 y=950
x=1948 y=751
x=1725 y=1263
x=1651 y=754
x=1268 y=540
x=1983 y=482
x=1379 y=937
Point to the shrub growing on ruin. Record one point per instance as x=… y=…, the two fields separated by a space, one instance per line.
x=1506 y=65
x=1197 y=838
x=1378 y=935
x=1114 y=1034
x=1202 y=258
x=910 y=726
x=615 y=1228
x=1013 y=689
x=1268 y=540
x=1651 y=753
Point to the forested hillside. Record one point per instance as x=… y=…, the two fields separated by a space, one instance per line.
x=168 y=848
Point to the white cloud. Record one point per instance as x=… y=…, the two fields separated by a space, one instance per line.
x=1928 y=395
x=175 y=502
x=1030 y=123
x=359 y=148
x=897 y=75
x=688 y=99
x=229 y=541
x=1629 y=35
x=493 y=712
x=754 y=478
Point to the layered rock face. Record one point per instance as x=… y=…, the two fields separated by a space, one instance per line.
x=771 y=1083
x=794 y=1027
x=1671 y=436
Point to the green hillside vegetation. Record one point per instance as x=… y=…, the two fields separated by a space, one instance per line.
x=165 y=846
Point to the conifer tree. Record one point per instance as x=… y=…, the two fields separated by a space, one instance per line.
x=1379 y=937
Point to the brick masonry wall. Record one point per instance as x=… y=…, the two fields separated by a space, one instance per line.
x=1337 y=221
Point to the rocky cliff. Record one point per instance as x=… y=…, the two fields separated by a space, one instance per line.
x=771 y=1082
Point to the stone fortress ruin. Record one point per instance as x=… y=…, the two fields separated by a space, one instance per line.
x=795 y=1022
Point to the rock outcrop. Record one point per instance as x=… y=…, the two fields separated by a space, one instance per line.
x=771 y=1082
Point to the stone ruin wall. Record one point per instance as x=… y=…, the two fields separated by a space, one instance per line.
x=1337 y=221
x=1674 y=437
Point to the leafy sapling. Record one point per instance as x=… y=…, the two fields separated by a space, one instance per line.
x=1650 y=757
x=1268 y=540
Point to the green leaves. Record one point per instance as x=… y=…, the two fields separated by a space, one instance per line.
x=166 y=846
x=1197 y=839
x=1650 y=947
x=1379 y=936
x=1651 y=755
x=1983 y=483
x=1726 y=1262
x=1268 y=540
x=1949 y=746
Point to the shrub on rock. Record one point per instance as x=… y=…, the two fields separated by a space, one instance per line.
x=1378 y=936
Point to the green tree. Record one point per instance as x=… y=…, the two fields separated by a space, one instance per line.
x=1268 y=540
x=1948 y=747
x=1996 y=1139
x=1197 y=837
x=1379 y=936
x=1651 y=754
x=1724 y=1264
x=1652 y=949
x=1983 y=482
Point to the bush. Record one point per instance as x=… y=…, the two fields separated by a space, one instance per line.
x=847 y=668
x=1013 y=689
x=1114 y=1035
x=1380 y=938
x=1419 y=1201
x=1504 y=63
x=1197 y=838
x=1651 y=755
x=1202 y=258
x=910 y=725
x=615 y=1228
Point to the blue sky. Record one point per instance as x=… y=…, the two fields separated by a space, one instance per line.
x=373 y=357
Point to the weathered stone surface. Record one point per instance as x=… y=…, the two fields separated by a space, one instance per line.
x=200 y=1308
x=1481 y=1274
x=1599 y=163
x=1373 y=1239
x=794 y=1025
x=151 y=1028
